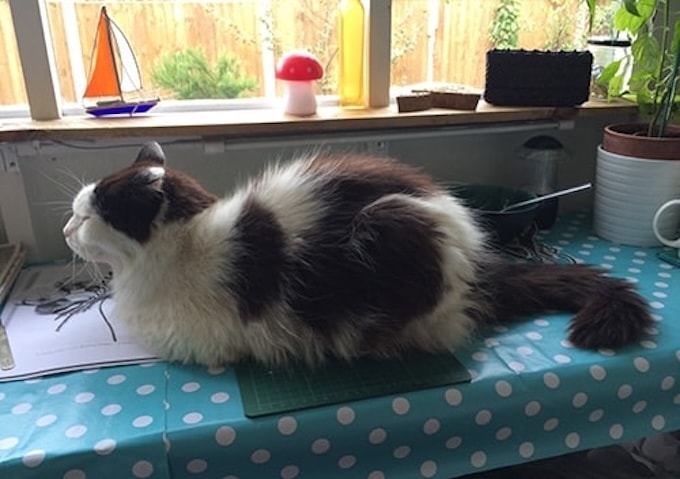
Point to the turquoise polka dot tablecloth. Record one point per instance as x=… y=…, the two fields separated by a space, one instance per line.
x=532 y=395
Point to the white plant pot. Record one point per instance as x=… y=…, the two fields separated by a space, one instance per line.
x=628 y=191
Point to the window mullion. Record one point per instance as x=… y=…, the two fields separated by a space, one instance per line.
x=379 y=51
x=37 y=60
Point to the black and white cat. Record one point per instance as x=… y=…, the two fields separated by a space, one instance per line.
x=326 y=256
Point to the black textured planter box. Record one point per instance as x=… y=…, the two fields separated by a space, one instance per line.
x=537 y=78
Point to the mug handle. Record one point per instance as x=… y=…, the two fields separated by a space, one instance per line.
x=668 y=242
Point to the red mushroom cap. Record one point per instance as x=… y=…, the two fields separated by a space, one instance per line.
x=299 y=65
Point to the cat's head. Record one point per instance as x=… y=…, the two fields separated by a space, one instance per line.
x=121 y=211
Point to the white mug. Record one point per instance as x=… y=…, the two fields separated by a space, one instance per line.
x=673 y=243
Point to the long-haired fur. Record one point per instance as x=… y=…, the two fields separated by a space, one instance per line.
x=325 y=256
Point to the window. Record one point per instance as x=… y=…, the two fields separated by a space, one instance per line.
x=223 y=53
x=12 y=91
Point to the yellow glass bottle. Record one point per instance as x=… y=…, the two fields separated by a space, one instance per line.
x=351 y=54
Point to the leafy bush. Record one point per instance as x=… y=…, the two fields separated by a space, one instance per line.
x=189 y=74
x=505 y=27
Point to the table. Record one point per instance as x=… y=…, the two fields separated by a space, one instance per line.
x=533 y=395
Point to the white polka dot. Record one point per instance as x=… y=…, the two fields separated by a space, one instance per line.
x=542 y=322
x=656 y=305
x=615 y=249
x=625 y=391
x=111 y=409
x=525 y=350
x=551 y=380
x=146 y=389
x=634 y=270
x=105 y=447
x=503 y=389
x=192 y=418
x=117 y=379
x=532 y=408
x=517 y=366
x=197 y=466
x=658 y=422
x=483 y=417
x=616 y=431
x=660 y=295
x=572 y=440
x=647 y=344
x=377 y=436
x=142 y=469
x=346 y=462
x=596 y=415
x=22 y=408
x=431 y=426
x=91 y=371
x=376 y=475
x=33 y=458
x=260 y=456
x=641 y=364
x=579 y=400
x=77 y=474
x=454 y=442
x=219 y=398
x=535 y=336
x=597 y=372
x=142 y=421
x=321 y=446
x=551 y=424
x=287 y=425
x=639 y=406
x=503 y=433
x=606 y=352
x=480 y=356
x=428 y=469
x=453 y=397
x=526 y=450
x=83 y=398
x=478 y=459
x=562 y=359
x=290 y=472
x=2 y=396
x=225 y=435
x=565 y=343
x=661 y=284
x=74 y=432
x=191 y=387
x=667 y=383
x=8 y=443
x=491 y=342
x=664 y=275
x=401 y=452
x=345 y=415
x=401 y=405
x=56 y=389
x=216 y=370
x=45 y=420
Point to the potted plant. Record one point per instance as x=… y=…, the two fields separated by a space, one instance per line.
x=654 y=64
x=638 y=164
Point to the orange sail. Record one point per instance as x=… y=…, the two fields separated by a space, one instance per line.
x=103 y=81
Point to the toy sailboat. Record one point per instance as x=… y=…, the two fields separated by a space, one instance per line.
x=114 y=86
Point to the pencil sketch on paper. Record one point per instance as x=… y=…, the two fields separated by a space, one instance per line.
x=70 y=296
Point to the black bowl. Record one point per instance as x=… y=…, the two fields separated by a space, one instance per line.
x=487 y=201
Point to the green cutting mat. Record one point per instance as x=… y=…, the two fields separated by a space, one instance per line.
x=265 y=391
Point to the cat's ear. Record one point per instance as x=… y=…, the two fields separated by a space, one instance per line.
x=152 y=152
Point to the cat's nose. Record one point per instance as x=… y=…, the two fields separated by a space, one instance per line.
x=68 y=229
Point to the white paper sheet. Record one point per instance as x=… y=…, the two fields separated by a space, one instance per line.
x=45 y=339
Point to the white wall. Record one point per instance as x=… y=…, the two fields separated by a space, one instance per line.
x=51 y=172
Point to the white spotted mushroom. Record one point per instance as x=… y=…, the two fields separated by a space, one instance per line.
x=299 y=69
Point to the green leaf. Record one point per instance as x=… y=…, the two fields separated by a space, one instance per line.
x=629 y=21
x=675 y=42
x=608 y=73
x=591 y=13
x=631 y=7
x=646 y=52
x=615 y=87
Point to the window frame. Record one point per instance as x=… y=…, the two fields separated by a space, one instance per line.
x=32 y=31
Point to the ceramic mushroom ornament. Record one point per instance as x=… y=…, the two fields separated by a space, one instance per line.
x=299 y=69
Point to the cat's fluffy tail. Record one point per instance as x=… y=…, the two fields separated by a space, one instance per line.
x=609 y=313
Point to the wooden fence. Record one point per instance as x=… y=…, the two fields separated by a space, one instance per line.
x=256 y=32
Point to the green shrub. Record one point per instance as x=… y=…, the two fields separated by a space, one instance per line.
x=190 y=76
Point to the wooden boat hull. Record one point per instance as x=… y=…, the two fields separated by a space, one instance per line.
x=122 y=108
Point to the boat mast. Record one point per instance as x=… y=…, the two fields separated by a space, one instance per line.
x=109 y=36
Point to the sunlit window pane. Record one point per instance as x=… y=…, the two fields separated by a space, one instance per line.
x=198 y=49
x=445 y=41
x=12 y=91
